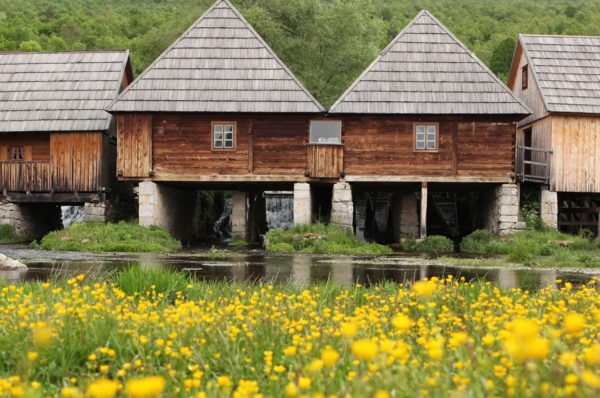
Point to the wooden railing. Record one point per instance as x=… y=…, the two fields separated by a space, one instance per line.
x=325 y=160
x=533 y=164
x=30 y=176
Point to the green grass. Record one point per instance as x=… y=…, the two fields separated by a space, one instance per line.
x=237 y=241
x=161 y=280
x=106 y=237
x=547 y=248
x=320 y=239
x=7 y=235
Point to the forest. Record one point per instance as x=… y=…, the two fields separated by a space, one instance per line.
x=326 y=43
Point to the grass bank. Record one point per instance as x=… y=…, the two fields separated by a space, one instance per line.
x=137 y=336
x=320 y=239
x=8 y=235
x=536 y=248
x=106 y=237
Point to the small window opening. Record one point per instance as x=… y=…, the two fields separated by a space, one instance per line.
x=524 y=77
x=326 y=132
x=16 y=153
x=426 y=137
x=223 y=135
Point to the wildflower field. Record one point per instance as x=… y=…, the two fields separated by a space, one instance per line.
x=434 y=338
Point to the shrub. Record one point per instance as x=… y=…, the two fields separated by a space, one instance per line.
x=320 y=239
x=158 y=279
x=107 y=237
x=237 y=241
x=435 y=244
x=7 y=234
x=409 y=244
x=483 y=241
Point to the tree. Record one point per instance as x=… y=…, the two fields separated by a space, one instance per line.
x=502 y=57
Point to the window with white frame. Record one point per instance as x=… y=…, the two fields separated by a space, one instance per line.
x=426 y=137
x=223 y=134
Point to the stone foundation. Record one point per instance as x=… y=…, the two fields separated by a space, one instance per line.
x=239 y=215
x=549 y=208
x=302 y=204
x=31 y=221
x=95 y=212
x=170 y=207
x=405 y=216
x=342 y=207
x=503 y=213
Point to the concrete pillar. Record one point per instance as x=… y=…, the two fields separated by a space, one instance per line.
x=302 y=204
x=31 y=221
x=549 y=207
x=405 y=216
x=342 y=207
x=172 y=208
x=423 y=220
x=239 y=215
x=95 y=212
x=503 y=214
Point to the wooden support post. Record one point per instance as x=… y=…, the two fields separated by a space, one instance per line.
x=423 y=223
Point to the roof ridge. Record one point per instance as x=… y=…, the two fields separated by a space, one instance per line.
x=121 y=50
x=247 y=26
x=565 y=36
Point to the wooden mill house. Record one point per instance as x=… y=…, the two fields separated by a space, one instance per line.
x=428 y=135
x=558 y=150
x=218 y=110
x=57 y=142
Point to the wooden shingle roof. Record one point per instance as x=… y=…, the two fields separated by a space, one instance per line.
x=427 y=70
x=567 y=71
x=59 y=91
x=220 y=64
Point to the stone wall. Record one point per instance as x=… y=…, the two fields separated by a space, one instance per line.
x=342 y=207
x=170 y=207
x=302 y=204
x=503 y=210
x=405 y=215
x=549 y=208
x=95 y=212
x=31 y=221
x=239 y=215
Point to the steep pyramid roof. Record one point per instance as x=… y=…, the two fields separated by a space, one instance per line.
x=427 y=70
x=220 y=64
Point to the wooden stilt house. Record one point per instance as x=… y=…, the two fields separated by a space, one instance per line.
x=428 y=115
x=57 y=143
x=559 y=144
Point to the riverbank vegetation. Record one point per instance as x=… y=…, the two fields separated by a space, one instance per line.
x=108 y=237
x=320 y=239
x=134 y=336
x=7 y=235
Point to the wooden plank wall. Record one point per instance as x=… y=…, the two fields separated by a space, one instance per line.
x=134 y=144
x=325 y=161
x=32 y=176
x=383 y=145
x=576 y=157
x=531 y=96
x=39 y=144
x=76 y=161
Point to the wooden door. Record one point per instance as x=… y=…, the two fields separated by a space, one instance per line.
x=325 y=160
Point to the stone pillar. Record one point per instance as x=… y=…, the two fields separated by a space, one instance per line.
x=423 y=218
x=507 y=278
x=95 y=212
x=342 y=207
x=302 y=204
x=405 y=216
x=503 y=217
x=239 y=215
x=549 y=207
x=31 y=221
x=169 y=207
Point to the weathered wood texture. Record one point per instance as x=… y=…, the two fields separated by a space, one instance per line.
x=28 y=176
x=325 y=161
x=76 y=161
x=473 y=147
x=181 y=146
x=531 y=95
x=541 y=138
x=37 y=146
x=576 y=157
x=134 y=144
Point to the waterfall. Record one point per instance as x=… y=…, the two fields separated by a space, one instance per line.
x=280 y=209
x=72 y=214
x=222 y=227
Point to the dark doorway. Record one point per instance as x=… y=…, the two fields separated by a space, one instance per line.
x=527 y=143
x=322 y=194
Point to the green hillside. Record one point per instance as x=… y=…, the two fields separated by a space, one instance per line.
x=327 y=43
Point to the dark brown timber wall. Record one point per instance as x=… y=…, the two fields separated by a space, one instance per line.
x=383 y=145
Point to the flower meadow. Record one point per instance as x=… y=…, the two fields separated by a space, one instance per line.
x=433 y=338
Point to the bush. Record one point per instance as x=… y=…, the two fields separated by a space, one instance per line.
x=237 y=241
x=483 y=241
x=160 y=280
x=409 y=244
x=435 y=244
x=7 y=234
x=105 y=237
x=320 y=239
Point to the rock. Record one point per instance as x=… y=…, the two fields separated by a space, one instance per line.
x=10 y=264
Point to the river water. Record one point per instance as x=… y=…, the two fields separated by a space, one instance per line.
x=299 y=269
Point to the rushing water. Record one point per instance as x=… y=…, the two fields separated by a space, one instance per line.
x=301 y=270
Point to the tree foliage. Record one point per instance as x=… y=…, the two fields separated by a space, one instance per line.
x=327 y=43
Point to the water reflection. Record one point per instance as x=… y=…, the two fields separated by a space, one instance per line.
x=300 y=270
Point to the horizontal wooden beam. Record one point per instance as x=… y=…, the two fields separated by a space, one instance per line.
x=450 y=179
x=58 y=198
x=222 y=178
